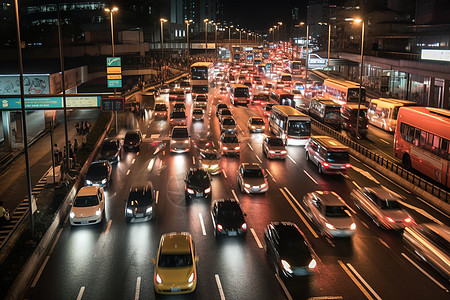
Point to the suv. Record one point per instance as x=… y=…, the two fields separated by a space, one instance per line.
x=328 y=154
x=180 y=140
x=99 y=174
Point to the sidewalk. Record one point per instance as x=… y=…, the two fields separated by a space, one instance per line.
x=14 y=185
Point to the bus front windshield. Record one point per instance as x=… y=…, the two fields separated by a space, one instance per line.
x=296 y=65
x=299 y=128
x=241 y=92
x=199 y=73
x=353 y=95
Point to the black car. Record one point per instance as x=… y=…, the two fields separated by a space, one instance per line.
x=111 y=150
x=198 y=184
x=132 y=141
x=228 y=218
x=286 y=245
x=219 y=107
x=140 y=205
x=99 y=174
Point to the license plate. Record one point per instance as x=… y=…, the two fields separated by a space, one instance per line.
x=232 y=233
x=84 y=222
x=139 y=215
x=199 y=194
x=255 y=187
x=175 y=289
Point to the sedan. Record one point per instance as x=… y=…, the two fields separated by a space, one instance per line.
x=88 y=208
x=256 y=124
x=224 y=113
x=210 y=161
x=228 y=124
x=197 y=184
x=229 y=144
x=330 y=213
x=289 y=250
x=198 y=114
x=251 y=178
x=99 y=174
x=132 y=141
x=219 y=107
x=110 y=150
x=228 y=218
x=178 y=118
x=140 y=205
x=273 y=147
x=383 y=207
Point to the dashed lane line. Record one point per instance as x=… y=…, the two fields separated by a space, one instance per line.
x=80 y=294
x=283 y=286
x=202 y=224
x=310 y=177
x=219 y=287
x=258 y=242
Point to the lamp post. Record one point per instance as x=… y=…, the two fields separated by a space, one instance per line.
x=111 y=12
x=162 y=21
x=274 y=28
x=329 y=44
x=229 y=36
x=279 y=25
x=240 y=37
x=215 y=40
x=307 y=46
x=188 y=22
x=358 y=20
x=206 y=35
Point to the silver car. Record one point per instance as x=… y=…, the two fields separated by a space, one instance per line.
x=228 y=124
x=229 y=144
x=382 y=207
x=330 y=213
x=180 y=140
x=251 y=178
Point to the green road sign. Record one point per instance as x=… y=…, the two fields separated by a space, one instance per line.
x=113 y=62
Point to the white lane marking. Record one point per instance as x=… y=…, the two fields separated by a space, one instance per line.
x=224 y=173
x=356 y=184
x=355 y=281
x=193 y=160
x=138 y=288
x=363 y=281
x=285 y=290
x=310 y=177
x=270 y=174
x=80 y=294
x=326 y=298
x=424 y=272
x=330 y=242
x=209 y=126
x=355 y=158
x=386 y=142
x=219 y=286
x=256 y=238
x=154 y=136
x=56 y=241
x=387 y=179
x=108 y=227
x=365 y=224
x=291 y=158
x=202 y=223
x=234 y=195
x=128 y=172
x=259 y=159
x=365 y=174
x=420 y=211
x=41 y=269
x=156 y=196
x=443 y=213
x=297 y=211
x=250 y=146
x=384 y=243
x=134 y=159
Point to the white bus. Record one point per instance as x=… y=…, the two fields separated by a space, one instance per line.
x=240 y=94
x=343 y=91
x=383 y=112
x=290 y=125
x=201 y=76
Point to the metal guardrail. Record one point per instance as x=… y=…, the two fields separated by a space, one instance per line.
x=387 y=164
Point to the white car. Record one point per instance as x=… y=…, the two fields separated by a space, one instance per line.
x=88 y=208
x=252 y=179
x=180 y=140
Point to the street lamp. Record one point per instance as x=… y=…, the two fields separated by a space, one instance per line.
x=162 y=21
x=358 y=20
x=279 y=25
x=215 y=39
x=240 y=37
x=206 y=35
x=111 y=12
x=229 y=36
x=307 y=46
x=274 y=28
x=329 y=44
x=188 y=22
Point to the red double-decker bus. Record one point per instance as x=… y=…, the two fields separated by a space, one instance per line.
x=422 y=139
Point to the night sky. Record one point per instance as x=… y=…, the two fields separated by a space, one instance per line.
x=260 y=15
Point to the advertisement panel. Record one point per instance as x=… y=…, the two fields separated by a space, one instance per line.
x=34 y=84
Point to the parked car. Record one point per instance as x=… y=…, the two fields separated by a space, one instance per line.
x=330 y=213
x=252 y=179
x=228 y=218
x=140 y=205
x=111 y=150
x=197 y=184
x=132 y=140
x=99 y=174
x=88 y=208
x=273 y=147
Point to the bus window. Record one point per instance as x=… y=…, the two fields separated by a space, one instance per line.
x=299 y=128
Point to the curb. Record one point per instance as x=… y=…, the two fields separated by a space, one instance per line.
x=23 y=280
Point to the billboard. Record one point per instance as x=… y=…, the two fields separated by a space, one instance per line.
x=435 y=54
x=50 y=102
x=34 y=84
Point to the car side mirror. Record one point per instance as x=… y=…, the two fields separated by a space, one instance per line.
x=152 y=260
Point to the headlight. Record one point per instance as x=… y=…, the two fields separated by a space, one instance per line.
x=186 y=141
x=190 y=191
x=149 y=210
x=173 y=142
x=98 y=212
x=191 y=278
x=129 y=211
x=88 y=182
x=263 y=185
x=72 y=214
x=104 y=181
x=237 y=148
x=158 y=278
x=214 y=166
x=253 y=127
x=286 y=266
x=353 y=226
x=247 y=185
x=312 y=264
x=329 y=226
x=208 y=190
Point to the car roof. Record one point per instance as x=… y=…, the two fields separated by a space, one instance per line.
x=382 y=193
x=251 y=166
x=287 y=229
x=329 y=142
x=88 y=191
x=175 y=242
x=329 y=198
x=227 y=202
x=100 y=162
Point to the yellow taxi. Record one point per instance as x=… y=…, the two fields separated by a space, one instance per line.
x=175 y=266
x=210 y=161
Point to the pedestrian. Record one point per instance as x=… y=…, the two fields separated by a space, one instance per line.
x=83 y=126
x=56 y=152
x=70 y=150
x=89 y=126
x=77 y=127
x=75 y=146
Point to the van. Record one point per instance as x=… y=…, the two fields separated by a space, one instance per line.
x=330 y=156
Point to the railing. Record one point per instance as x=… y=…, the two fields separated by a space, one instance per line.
x=387 y=164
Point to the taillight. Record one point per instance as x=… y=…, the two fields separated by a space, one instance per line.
x=208 y=190
x=348 y=165
x=219 y=227
x=408 y=220
x=237 y=148
x=244 y=226
x=325 y=164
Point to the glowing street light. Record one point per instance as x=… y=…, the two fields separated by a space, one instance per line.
x=188 y=22
x=111 y=12
x=359 y=20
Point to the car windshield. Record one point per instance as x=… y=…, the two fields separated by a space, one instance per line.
x=178 y=114
x=257 y=121
x=296 y=92
x=179 y=105
x=293 y=244
x=299 y=128
x=253 y=173
x=199 y=178
x=336 y=211
x=338 y=157
x=85 y=201
x=222 y=106
x=228 y=121
x=197 y=111
x=160 y=107
x=257 y=78
x=390 y=204
x=200 y=98
x=229 y=211
x=97 y=169
x=230 y=139
x=175 y=260
x=109 y=145
x=224 y=112
x=180 y=133
x=210 y=156
x=140 y=197
x=275 y=142
x=132 y=136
